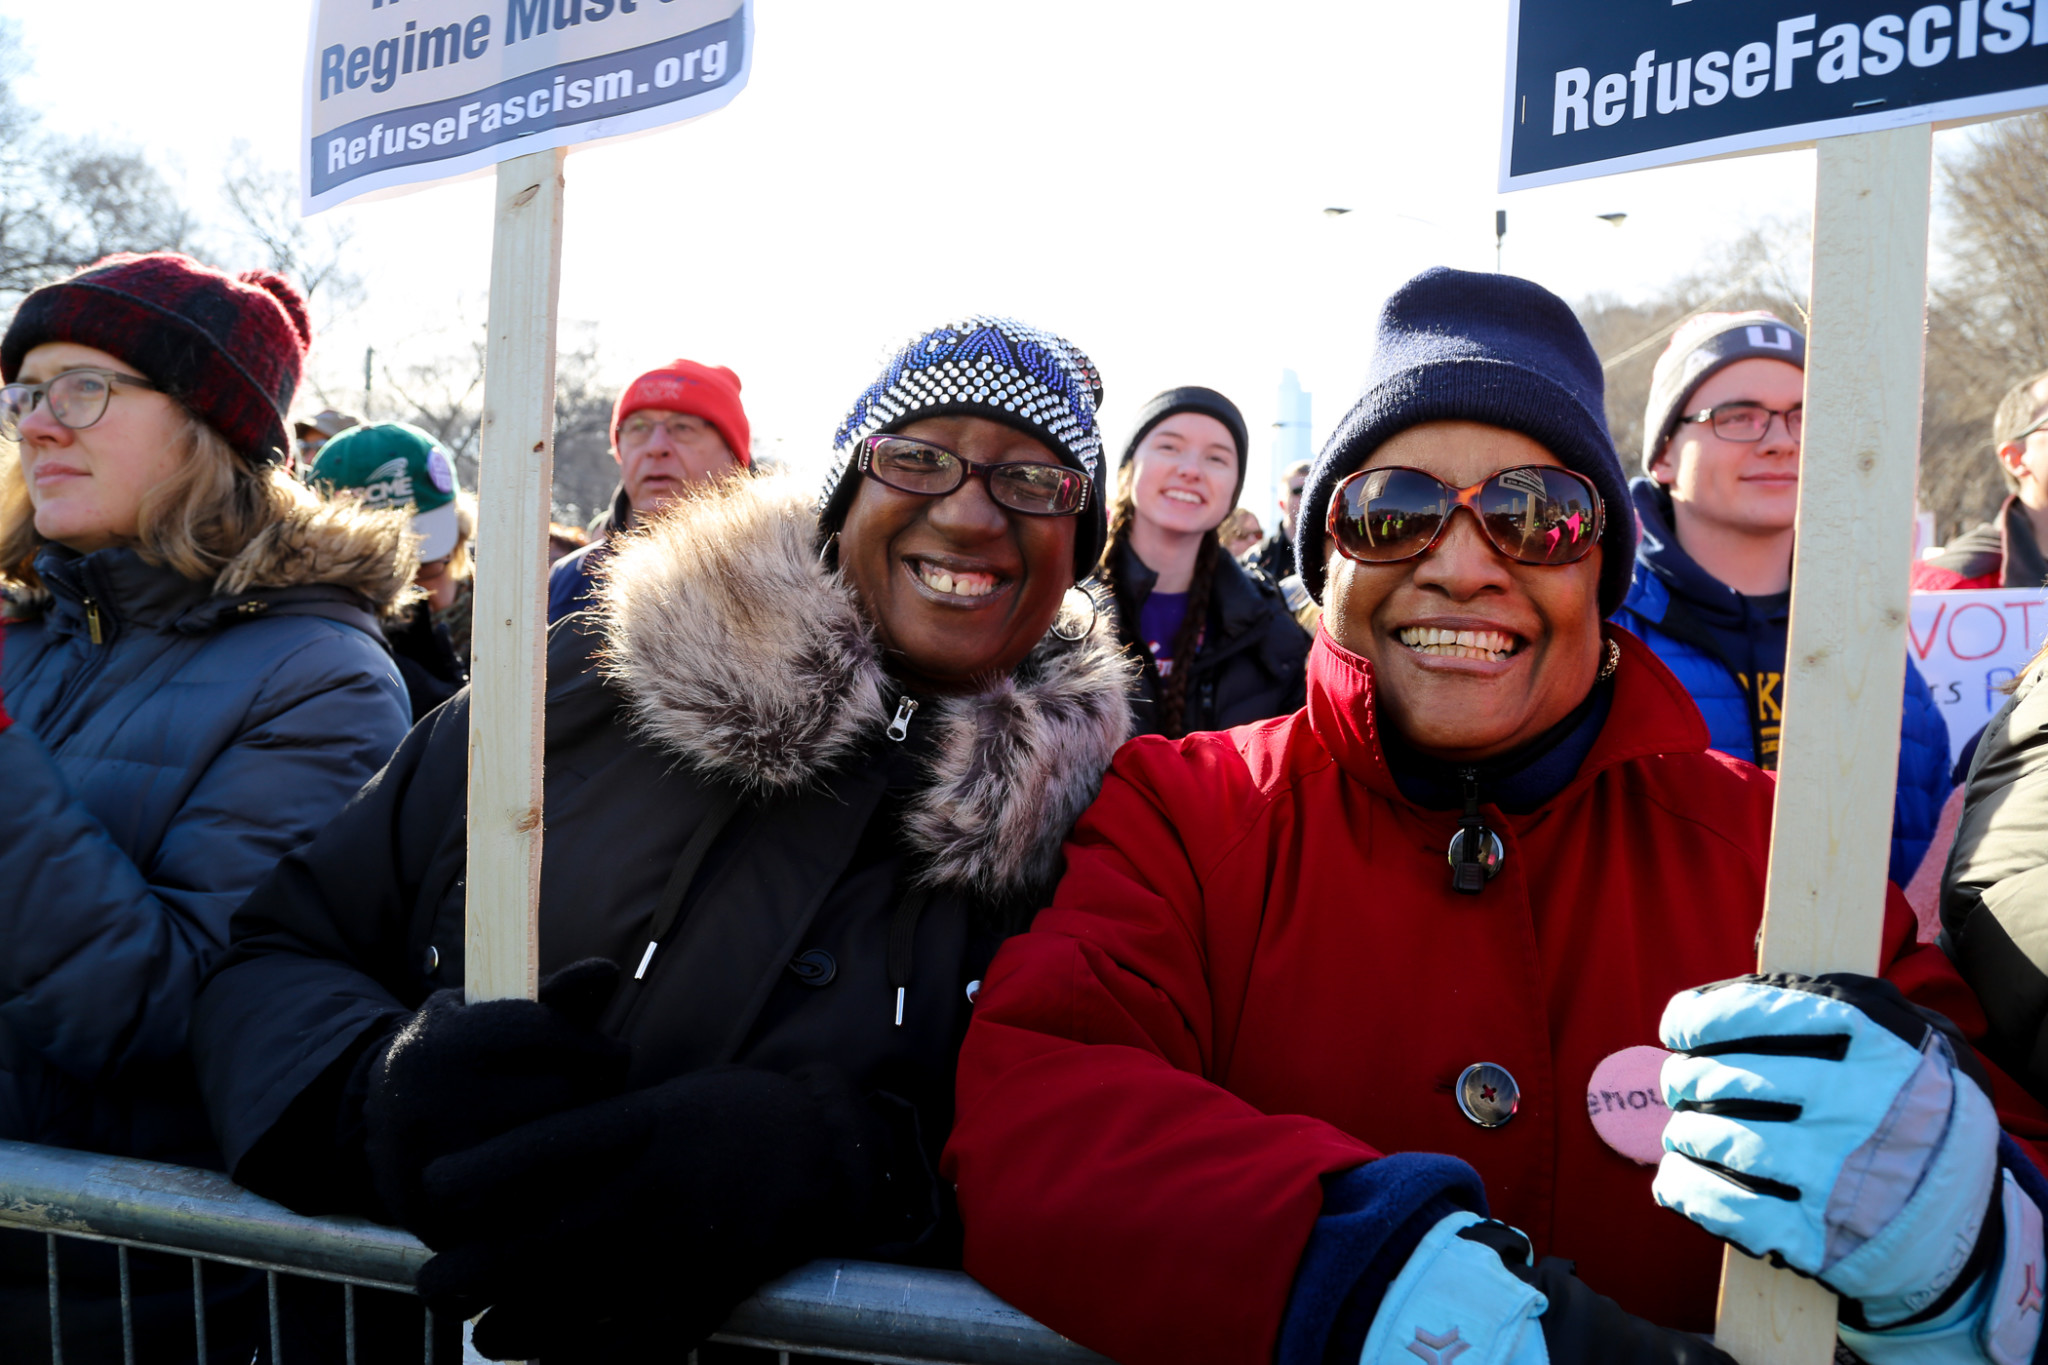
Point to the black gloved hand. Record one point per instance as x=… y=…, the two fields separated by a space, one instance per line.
x=634 y=1225
x=1582 y=1326
x=457 y=1075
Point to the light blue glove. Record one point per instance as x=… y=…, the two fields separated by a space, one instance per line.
x=1455 y=1299
x=1827 y=1124
x=1998 y=1322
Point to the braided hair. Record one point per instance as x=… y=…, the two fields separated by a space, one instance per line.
x=1172 y=690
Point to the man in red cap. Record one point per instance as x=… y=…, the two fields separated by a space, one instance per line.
x=674 y=426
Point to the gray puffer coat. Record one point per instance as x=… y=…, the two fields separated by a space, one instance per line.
x=1994 y=893
x=171 y=740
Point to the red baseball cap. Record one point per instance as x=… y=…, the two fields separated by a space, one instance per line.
x=711 y=392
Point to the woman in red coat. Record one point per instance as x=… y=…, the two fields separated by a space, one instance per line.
x=1253 y=1084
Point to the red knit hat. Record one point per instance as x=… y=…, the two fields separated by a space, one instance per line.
x=708 y=391
x=228 y=348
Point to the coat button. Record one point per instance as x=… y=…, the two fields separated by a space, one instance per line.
x=1487 y=1094
x=432 y=961
x=814 y=968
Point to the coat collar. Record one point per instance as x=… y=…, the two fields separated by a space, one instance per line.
x=742 y=655
x=1651 y=713
x=329 y=559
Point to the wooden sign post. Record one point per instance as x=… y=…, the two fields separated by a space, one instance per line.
x=1845 y=660
x=509 y=630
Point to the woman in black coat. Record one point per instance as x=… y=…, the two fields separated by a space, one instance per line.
x=805 y=768
x=1216 y=642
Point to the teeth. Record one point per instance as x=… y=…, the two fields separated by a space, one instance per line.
x=962 y=584
x=1458 y=644
x=1181 y=495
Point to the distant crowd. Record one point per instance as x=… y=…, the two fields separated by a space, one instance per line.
x=1005 y=855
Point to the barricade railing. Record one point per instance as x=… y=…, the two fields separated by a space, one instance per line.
x=852 y=1310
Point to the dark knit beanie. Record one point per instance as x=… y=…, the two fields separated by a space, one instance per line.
x=229 y=348
x=1193 y=398
x=1701 y=348
x=1034 y=381
x=1457 y=346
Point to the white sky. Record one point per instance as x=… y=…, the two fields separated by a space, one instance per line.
x=1146 y=177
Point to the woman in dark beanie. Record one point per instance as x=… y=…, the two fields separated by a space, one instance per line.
x=806 y=765
x=1315 y=997
x=1217 y=644
x=193 y=682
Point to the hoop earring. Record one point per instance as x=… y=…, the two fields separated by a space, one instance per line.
x=828 y=553
x=1610 y=663
x=1062 y=624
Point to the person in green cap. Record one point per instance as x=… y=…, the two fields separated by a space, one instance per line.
x=396 y=465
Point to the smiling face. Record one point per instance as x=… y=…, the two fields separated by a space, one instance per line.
x=661 y=452
x=1473 y=655
x=87 y=486
x=959 y=587
x=1185 y=474
x=1751 y=488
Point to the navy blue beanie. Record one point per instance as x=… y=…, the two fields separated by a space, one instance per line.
x=1456 y=346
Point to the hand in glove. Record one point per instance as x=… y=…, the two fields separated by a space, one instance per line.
x=1831 y=1126
x=458 y=1074
x=631 y=1227
x=1470 y=1292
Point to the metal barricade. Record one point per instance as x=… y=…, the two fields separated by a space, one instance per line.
x=851 y=1310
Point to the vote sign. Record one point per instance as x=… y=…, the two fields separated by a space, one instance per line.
x=404 y=92
x=1967 y=644
x=1596 y=87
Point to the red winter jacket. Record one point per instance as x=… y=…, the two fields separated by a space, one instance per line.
x=1256 y=973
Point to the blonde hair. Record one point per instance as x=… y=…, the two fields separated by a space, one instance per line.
x=194 y=522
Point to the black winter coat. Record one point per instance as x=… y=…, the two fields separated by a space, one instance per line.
x=1253 y=660
x=724 y=671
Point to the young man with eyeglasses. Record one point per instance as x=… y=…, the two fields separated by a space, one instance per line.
x=673 y=427
x=1712 y=593
x=2007 y=551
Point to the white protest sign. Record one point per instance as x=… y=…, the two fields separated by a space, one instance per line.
x=404 y=92
x=1966 y=644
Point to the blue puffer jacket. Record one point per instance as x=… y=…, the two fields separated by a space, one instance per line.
x=1664 y=572
x=153 y=778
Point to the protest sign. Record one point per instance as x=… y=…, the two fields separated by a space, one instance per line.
x=1967 y=645
x=1595 y=88
x=400 y=95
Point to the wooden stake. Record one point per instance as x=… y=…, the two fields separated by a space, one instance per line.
x=1845 y=662
x=509 y=626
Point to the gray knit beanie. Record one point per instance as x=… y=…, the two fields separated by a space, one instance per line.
x=1699 y=349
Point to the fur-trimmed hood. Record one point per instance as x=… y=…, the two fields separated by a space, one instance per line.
x=317 y=544
x=745 y=657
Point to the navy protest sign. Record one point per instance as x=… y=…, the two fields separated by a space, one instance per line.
x=1596 y=87
x=404 y=92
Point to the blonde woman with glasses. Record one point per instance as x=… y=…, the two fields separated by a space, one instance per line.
x=192 y=682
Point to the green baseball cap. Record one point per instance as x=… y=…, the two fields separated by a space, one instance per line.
x=396 y=465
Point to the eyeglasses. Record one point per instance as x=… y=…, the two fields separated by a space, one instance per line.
x=1533 y=514
x=910 y=466
x=2017 y=437
x=681 y=428
x=1748 y=422
x=78 y=398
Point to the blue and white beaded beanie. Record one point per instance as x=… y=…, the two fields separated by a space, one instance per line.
x=1035 y=381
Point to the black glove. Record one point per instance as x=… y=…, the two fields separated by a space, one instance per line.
x=456 y=1075
x=1582 y=1326
x=633 y=1226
